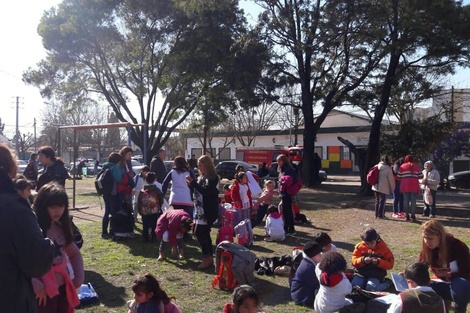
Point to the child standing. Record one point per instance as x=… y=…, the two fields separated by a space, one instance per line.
x=139 y=182
x=274 y=225
x=371 y=259
x=304 y=283
x=334 y=286
x=245 y=300
x=149 y=204
x=171 y=227
x=150 y=298
x=264 y=201
x=55 y=291
x=241 y=195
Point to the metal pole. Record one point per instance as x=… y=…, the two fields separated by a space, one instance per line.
x=74 y=167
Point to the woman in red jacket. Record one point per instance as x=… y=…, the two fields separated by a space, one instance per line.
x=449 y=259
x=409 y=175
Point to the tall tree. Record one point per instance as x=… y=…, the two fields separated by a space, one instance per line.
x=322 y=48
x=152 y=61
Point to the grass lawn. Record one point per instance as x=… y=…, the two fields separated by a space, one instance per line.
x=112 y=266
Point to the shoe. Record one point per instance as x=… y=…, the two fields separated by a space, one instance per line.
x=161 y=257
x=106 y=236
x=401 y=214
x=408 y=217
x=413 y=219
x=206 y=263
x=396 y=215
x=267 y=239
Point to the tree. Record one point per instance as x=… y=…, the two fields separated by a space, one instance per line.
x=322 y=48
x=2 y=127
x=426 y=37
x=25 y=141
x=152 y=61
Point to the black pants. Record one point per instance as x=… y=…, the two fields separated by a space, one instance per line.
x=149 y=222
x=287 y=213
x=203 y=235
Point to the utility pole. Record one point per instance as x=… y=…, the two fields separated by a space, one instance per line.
x=452 y=105
x=17 y=136
x=35 y=139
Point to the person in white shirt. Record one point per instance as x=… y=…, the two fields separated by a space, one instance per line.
x=274 y=225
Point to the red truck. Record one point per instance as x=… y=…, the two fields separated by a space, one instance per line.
x=259 y=155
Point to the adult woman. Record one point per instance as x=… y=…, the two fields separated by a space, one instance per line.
x=180 y=193
x=25 y=252
x=430 y=181
x=206 y=198
x=287 y=176
x=384 y=187
x=449 y=259
x=409 y=175
x=124 y=188
x=54 y=168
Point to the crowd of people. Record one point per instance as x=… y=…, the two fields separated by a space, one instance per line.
x=42 y=275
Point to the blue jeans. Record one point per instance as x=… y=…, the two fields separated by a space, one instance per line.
x=379 y=204
x=407 y=198
x=431 y=208
x=457 y=290
x=369 y=284
x=397 y=198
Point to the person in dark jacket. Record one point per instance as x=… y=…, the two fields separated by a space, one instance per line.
x=206 y=204
x=54 y=168
x=25 y=252
x=305 y=283
x=112 y=201
x=287 y=177
x=158 y=167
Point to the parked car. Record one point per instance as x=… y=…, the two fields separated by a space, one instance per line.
x=168 y=165
x=459 y=180
x=273 y=174
x=90 y=168
x=136 y=166
x=22 y=166
x=226 y=169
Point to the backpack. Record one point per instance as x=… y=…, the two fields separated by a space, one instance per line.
x=29 y=172
x=104 y=181
x=373 y=175
x=244 y=233
x=295 y=187
x=87 y=295
x=225 y=279
x=150 y=203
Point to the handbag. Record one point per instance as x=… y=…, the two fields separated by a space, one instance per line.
x=427 y=197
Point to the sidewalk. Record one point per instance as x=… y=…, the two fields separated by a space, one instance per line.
x=452 y=203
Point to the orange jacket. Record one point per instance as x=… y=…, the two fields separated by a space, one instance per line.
x=380 y=251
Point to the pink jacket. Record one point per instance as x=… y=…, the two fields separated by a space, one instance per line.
x=171 y=220
x=409 y=174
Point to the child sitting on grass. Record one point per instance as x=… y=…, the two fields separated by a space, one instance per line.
x=274 y=225
x=334 y=285
x=304 y=283
x=324 y=240
x=150 y=298
x=371 y=259
x=245 y=300
x=420 y=297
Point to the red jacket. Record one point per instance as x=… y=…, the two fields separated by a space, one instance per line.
x=409 y=175
x=236 y=198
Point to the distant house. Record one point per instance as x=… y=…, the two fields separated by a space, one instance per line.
x=336 y=158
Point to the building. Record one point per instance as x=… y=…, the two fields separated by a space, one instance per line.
x=336 y=158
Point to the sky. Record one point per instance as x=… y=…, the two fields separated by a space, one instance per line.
x=22 y=48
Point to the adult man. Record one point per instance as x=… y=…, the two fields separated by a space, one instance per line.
x=157 y=166
x=25 y=252
x=192 y=162
x=54 y=168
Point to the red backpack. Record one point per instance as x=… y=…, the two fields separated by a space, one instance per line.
x=295 y=187
x=225 y=278
x=373 y=175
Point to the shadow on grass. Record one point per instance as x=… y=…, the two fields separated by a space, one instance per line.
x=344 y=245
x=109 y=295
x=271 y=294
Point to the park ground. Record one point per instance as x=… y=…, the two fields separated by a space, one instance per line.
x=335 y=207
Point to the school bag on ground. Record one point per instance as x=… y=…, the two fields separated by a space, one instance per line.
x=225 y=233
x=244 y=233
x=104 y=181
x=87 y=295
x=122 y=222
x=373 y=175
x=242 y=265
